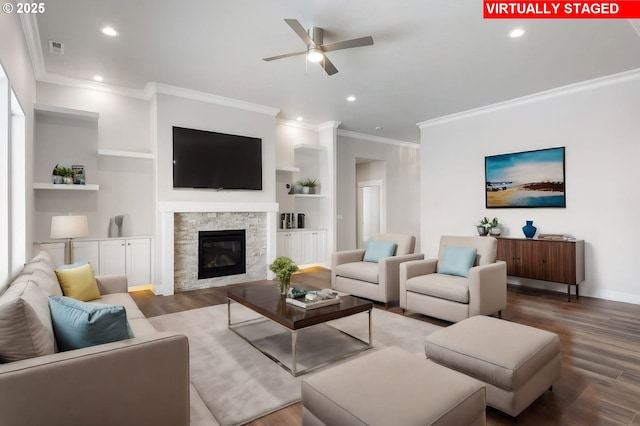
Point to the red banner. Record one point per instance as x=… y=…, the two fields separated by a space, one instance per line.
x=625 y=9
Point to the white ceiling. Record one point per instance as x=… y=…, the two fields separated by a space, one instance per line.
x=430 y=58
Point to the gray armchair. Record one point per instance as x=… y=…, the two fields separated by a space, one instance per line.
x=377 y=281
x=453 y=298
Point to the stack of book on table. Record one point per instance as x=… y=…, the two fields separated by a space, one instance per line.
x=313 y=299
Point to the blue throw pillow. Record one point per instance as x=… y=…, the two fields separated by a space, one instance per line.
x=79 y=324
x=457 y=261
x=377 y=250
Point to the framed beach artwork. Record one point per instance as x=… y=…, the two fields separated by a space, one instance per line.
x=525 y=179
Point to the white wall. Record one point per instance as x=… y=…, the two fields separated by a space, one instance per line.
x=174 y=111
x=402 y=184
x=14 y=58
x=288 y=135
x=599 y=125
x=126 y=184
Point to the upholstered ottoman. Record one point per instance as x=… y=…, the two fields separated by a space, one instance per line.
x=392 y=387
x=516 y=362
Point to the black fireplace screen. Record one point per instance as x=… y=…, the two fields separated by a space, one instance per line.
x=221 y=253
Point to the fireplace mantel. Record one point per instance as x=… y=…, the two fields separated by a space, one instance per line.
x=164 y=251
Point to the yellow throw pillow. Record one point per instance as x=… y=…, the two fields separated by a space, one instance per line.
x=79 y=283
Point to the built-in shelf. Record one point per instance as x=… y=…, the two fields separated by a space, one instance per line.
x=287 y=169
x=88 y=187
x=307 y=146
x=128 y=154
x=310 y=195
x=65 y=112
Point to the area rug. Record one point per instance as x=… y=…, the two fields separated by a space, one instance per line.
x=238 y=384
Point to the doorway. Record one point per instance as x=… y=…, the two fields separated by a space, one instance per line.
x=370 y=210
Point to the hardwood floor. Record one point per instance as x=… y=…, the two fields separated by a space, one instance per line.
x=600 y=377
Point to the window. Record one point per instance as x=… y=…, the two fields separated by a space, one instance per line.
x=4 y=178
x=12 y=182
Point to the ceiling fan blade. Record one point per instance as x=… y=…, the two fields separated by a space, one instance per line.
x=287 y=55
x=348 y=44
x=328 y=66
x=299 y=29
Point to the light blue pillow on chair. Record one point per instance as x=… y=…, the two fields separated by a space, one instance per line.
x=457 y=261
x=79 y=324
x=377 y=250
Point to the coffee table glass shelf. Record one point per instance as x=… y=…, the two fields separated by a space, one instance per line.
x=298 y=339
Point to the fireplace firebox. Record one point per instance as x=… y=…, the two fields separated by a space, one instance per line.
x=221 y=253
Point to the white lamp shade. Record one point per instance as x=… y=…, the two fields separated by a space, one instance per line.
x=69 y=226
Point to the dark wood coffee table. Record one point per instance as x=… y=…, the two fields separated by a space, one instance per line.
x=266 y=301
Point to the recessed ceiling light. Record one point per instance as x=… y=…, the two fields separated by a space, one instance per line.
x=299 y=118
x=109 y=31
x=98 y=78
x=518 y=32
x=351 y=98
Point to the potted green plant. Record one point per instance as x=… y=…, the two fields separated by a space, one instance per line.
x=495 y=227
x=65 y=172
x=283 y=267
x=309 y=186
x=485 y=226
x=57 y=177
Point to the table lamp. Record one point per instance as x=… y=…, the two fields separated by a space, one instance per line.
x=72 y=226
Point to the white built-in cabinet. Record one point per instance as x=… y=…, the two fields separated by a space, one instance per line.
x=87 y=250
x=126 y=256
x=304 y=247
x=308 y=245
x=130 y=257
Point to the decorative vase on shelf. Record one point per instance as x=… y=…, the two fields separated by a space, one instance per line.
x=529 y=230
x=113 y=228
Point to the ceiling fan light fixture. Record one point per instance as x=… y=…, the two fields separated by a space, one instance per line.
x=315 y=54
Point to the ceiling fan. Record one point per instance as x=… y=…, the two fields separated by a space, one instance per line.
x=316 y=50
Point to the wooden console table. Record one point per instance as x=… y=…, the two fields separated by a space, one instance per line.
x=547 y=260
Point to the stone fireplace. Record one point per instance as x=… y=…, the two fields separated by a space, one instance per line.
x=226 y=235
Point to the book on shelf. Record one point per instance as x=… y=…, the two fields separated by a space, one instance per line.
x=314 y=299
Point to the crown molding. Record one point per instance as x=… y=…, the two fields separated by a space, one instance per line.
x=32 y=37
x=582 y=86
x=166 y=89
x=329 y=125
x=91 y=85
x=309 y=126
x=297 y=124
x=635 y=23
x=379 y=139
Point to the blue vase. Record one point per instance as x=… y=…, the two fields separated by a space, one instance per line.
x=529 y=230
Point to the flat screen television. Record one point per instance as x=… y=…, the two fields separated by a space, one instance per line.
x=203 y=159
